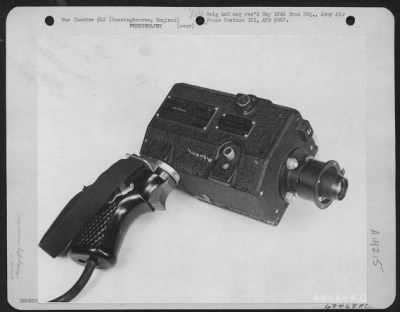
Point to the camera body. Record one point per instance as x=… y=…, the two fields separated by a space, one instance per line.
x=238 y=152
x=230 y=150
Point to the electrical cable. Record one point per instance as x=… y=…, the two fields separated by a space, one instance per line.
x=80 y=284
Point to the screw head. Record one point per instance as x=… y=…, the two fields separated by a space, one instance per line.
x=292 y=163
x=225 y=166
x=290 y=197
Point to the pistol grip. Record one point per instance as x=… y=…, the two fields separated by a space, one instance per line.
x=101 y=238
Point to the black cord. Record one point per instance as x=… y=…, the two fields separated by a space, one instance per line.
x=81 y=282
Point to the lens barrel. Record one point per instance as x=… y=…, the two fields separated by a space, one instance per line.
x=317 y=181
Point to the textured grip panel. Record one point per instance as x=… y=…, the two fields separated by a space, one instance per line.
x=102 y=235
x=92 y=235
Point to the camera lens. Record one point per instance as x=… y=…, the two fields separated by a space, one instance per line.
x=318 y=181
